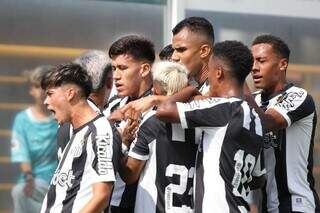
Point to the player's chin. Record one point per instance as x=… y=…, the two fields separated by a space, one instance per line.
x=123 y=93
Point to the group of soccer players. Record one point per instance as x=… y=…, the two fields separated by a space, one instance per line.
x=184 y=134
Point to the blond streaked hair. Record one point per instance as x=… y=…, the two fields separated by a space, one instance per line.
x=35 y=75
x=171 y=76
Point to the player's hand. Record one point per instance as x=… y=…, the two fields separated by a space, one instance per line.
x=117 y=115
x=129 y=132
x=137 y=107
x=28 y=187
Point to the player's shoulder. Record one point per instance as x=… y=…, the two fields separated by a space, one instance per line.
x=295 y=96
x=102 y=124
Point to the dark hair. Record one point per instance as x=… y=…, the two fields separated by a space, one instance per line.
x=278 y=45
x=237 y=56
x=138 y=47
x=166 y=52
x=197 y=25
x=68 y=73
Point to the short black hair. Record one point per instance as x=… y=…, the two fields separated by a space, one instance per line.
x=166 y=52
x=237 y=56
x=138 y=47
x=68 y=73
x=278 y=45
x=197 y=25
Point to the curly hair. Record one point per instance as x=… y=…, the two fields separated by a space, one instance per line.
x=237 y=56
x=278 y=45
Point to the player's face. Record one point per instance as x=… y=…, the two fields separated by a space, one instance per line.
x=266 y=71
x=127 y=75
x=186 y=47
x=57 y=102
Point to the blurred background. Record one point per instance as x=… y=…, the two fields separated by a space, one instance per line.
x=36 y=32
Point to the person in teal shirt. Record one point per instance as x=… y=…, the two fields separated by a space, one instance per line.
x=34 y=147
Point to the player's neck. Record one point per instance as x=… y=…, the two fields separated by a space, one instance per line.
x=81 y=114
x=99 y=98
x=203 y=74
x=269 y=92
x=230 y=89
x=145 y=86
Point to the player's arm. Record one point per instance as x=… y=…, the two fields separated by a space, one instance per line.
x=101 y=195
x=130 y=169
x=133 y=161
x=271 y=119
x=167 y=111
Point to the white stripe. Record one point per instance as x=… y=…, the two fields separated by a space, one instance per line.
x=298 y=137
x=182 y=116
x=246 y=115
x=214 y=191
x=146 y=198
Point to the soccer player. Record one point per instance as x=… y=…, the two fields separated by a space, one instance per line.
x=166 y=53
x=97 y=65
x=227 y=165
x=290 y=114
x=192 y=41
x=132 y=58
x=163 y=154
x=84 y=178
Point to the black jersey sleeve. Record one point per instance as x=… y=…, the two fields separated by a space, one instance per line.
x=210 y=112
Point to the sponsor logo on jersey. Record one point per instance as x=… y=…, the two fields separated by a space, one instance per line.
x=104 y=153
x=63 y=179
x=287 y=100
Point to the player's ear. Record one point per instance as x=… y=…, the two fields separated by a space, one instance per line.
x=71 y=93
x=205 y=51
x=220 y=72
x=145 y=69
x=283 y=64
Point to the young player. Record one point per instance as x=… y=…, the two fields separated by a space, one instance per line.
x=84 y=178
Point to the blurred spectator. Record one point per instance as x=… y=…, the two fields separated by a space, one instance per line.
x=34 y=148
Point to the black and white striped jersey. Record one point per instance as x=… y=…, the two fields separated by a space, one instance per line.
x=86 y=160
x=64 y=132
x=289 y=152
x=123 y=195
x=228 y=155
x=165 y=184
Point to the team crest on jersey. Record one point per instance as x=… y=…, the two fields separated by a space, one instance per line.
x=287 y=100
x=104 y=153
x=76 y=151
x=63 y=179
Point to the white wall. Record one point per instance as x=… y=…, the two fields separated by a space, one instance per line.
x=291 y=8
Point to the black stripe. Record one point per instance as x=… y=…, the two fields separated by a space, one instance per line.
x=128 y=198
x=199 y=190
x=310 y=165
x=78 y=165
x=281 y=175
